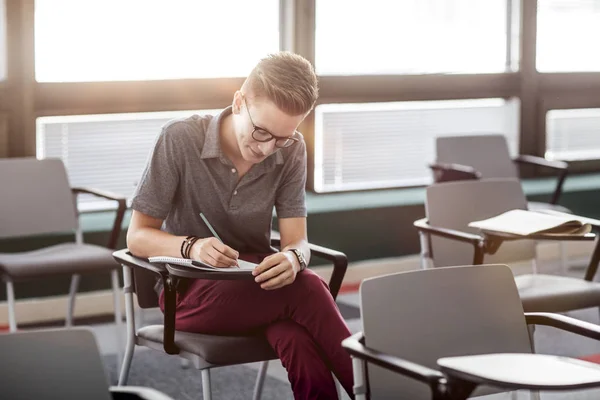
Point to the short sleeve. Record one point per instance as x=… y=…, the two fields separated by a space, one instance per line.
x=290 y=198
x=160 y=179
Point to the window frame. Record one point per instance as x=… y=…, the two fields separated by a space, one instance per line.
x=23 y=99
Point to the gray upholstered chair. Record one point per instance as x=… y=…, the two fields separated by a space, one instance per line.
x=203 y=351
x=36 y=199
x=446 y=312
x=487 y=156
x=59 y=364
x=446 y=240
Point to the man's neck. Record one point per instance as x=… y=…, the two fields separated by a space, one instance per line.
x=229 y=143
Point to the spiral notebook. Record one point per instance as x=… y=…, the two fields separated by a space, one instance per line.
x=243 y=265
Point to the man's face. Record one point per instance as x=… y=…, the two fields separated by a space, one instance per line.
x=266 y=121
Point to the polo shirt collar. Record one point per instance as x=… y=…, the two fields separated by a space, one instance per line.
x=212 y=142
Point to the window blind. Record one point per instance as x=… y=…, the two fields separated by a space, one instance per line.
x=573 y=134
x=106 y=151
x=382 y=145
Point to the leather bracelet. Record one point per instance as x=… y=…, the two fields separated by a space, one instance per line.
x=189 y=246
x=182 y=250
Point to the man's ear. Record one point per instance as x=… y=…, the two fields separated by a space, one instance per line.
x=238 y=101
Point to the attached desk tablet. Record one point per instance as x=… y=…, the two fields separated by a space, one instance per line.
x=519 y=371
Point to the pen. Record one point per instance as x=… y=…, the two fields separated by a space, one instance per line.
x=212 y=230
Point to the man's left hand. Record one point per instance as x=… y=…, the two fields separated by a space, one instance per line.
x=277 y=270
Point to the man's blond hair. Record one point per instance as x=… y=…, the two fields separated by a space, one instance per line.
x=286 y=79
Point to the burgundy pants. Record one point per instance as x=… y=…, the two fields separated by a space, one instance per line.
x=301 y=322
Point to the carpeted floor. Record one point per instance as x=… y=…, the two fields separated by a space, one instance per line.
x=156 y=370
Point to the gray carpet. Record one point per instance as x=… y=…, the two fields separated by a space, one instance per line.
x=159 y=371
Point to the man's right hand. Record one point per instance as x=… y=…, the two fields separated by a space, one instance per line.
x=212 y=251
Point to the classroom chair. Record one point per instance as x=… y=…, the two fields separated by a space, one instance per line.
x=203 y=351
x=415 y=323
x=36 y=200
x=446 y=240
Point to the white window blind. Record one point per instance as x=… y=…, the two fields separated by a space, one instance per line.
x=573 y=134
x=382 y=145
x=107 y=151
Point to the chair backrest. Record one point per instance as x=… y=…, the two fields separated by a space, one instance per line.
x=488 y=154
x=424 y=315
x=52 y=364
x=454 y=204
x=35 y=197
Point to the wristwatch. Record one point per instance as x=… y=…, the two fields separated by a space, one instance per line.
x=300 y=258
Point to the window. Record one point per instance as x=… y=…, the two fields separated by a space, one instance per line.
x=356 y=37
x=107 y=151
x=2 y=40
x=573 y=134
x=567 y=35
x=382 y=145
x=115 y=40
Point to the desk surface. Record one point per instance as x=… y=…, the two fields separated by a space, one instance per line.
x=523 y=371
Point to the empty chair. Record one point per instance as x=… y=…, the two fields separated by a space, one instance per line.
x=57 y=365
x=36 y=199
x=487 y=156
x=447 y=240
x=443 y=312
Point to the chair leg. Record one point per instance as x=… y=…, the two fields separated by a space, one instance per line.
x=564 y=257
x=206 y=390
x=10 y=297
x=360 y=380
x=260 y=380
x=130 y=325
x=75 y=278
x=531 y=329
x=118 y=315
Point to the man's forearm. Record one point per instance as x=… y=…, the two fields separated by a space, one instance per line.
x=147 y=242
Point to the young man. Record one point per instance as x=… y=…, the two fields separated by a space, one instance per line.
x=234 y=168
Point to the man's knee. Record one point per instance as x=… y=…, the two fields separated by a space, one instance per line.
x=310 y=281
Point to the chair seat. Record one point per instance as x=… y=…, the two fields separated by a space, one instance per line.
x=539 y=206
x=64 y=258
x=211 y=349
x=549 y=293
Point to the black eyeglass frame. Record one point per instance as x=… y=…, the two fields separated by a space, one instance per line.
x=255 y=127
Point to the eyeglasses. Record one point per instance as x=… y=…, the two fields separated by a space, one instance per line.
x=262 y=135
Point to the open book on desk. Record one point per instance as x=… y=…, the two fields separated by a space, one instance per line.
x=186 y=262
x=523 y=223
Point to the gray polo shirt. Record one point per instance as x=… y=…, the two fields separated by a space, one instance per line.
x=188 y=173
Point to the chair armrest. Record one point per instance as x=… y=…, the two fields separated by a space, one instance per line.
x=339 y=260
x=125 y=257
x=136 y=393
x=540 y=162
x=446 y=172
x=355 y=346
x=122 y=206
x=561 y=166
x=564 y=323
x=423 y=226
